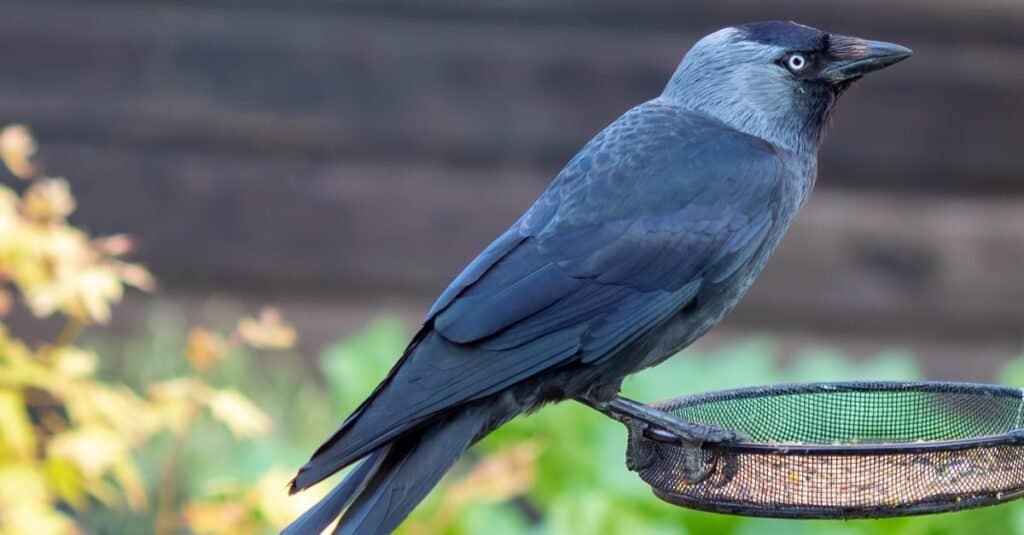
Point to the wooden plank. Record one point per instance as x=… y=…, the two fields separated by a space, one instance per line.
x=948 y=20
x=198 y=77
x=870 y=262
x=336 y=230
x=231 y=222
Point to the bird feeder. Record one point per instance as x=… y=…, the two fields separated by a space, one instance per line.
x=838 y=450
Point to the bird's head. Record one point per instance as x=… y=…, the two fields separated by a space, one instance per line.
x=776 y=80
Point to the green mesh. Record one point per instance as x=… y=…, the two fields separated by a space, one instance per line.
x=844 y=450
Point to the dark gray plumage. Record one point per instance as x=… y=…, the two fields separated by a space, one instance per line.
x=640 y=245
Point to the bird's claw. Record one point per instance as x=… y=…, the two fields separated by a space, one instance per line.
x=696 y=463
x=685 y=433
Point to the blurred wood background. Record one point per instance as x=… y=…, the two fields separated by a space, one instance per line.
x=352 y=150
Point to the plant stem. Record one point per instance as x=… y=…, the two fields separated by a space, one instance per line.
x=166 y=514
x=70 y=333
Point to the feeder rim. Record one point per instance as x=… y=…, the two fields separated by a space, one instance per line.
x=1015 y=436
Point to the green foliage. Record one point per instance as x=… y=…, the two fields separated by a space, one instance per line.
x=563 y=464
x=581 y=484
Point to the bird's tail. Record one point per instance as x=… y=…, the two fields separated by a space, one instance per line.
x=388 y=483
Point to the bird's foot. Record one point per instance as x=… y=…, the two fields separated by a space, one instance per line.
x=661 y=426
x=696 y=463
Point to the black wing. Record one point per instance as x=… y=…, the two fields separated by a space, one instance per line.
x=659 y=205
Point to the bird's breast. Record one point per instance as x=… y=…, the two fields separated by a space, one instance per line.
x=712 y=303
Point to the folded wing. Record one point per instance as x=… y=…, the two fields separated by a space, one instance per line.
x=655 y=208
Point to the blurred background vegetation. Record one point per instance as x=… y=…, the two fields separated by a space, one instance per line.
x=341 y=161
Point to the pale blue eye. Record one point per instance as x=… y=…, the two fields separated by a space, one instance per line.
x=796 y=62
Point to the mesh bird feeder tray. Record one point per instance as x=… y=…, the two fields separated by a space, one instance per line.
x=840 y=450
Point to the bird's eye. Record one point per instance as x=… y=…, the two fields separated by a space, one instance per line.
x=796 y=62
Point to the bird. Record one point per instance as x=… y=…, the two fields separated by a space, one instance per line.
x=646 y=238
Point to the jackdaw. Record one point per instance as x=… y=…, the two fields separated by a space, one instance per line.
x=646 y=238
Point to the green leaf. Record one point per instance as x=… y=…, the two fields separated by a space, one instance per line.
x=353 y=367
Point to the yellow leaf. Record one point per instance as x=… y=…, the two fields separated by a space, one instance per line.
x=97 y=287
x=94 y=450
x=499 y=477
x=136 y=275
x=67 y=248
x=268 y=331
x=116 y=407
x=221 y=518
x=37 y=518
x=10 y=223
x=73 y=362
x=47 y=261
x=242 y=417
x=10 y=216
x=127 y=475
x=175 y=400
x=19 y=366
x=116 y=245
x=17 y=147
x=180 y=388
x=204 y=349
x=22 y=484
x=66 y=481
x=17 y=436
x=48 y=199
x=44 y=300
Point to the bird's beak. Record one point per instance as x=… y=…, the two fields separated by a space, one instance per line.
x=853 y=57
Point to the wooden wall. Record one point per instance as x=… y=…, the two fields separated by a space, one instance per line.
x=350 y=149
